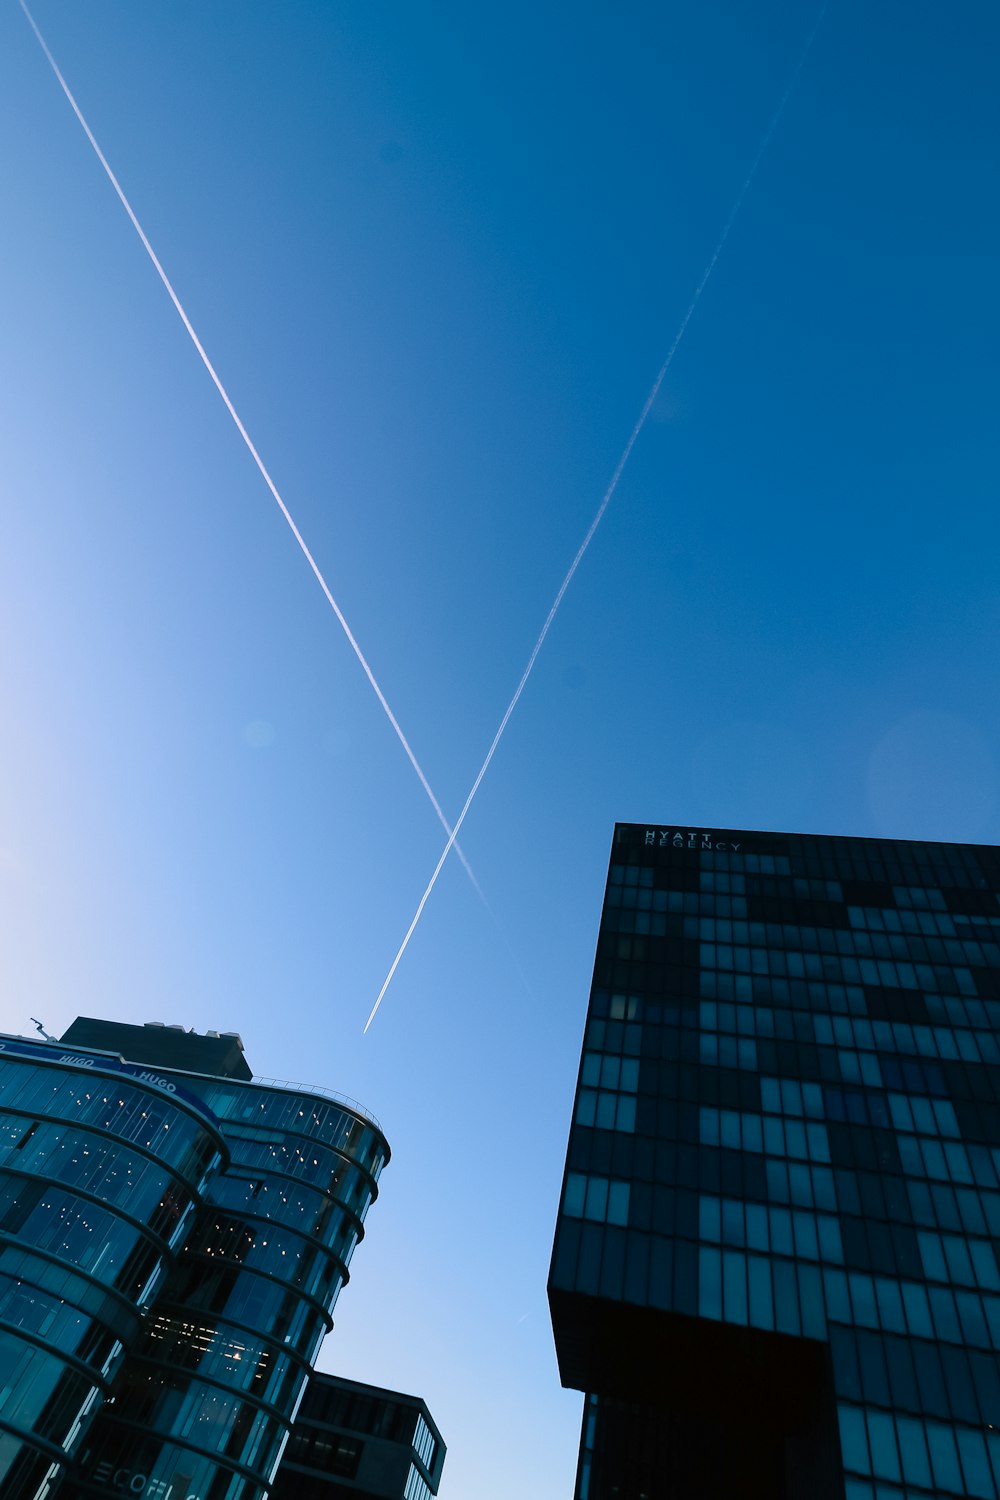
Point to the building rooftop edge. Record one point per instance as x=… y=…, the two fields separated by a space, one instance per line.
x=316 y=1091
x=110 y=1064
x=366 y=1387
x=855 y=838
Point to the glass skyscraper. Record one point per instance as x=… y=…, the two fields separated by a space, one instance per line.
x=775 y=1271
x=173 y=1237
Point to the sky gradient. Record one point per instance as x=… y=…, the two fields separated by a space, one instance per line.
x=438 y=254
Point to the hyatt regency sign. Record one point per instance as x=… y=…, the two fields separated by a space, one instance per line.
x=663 y=838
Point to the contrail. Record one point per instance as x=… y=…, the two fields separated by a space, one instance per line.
x=296 y=533
x=606 y=501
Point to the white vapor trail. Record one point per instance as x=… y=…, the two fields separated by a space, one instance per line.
x=606 y=501
x=126 y=205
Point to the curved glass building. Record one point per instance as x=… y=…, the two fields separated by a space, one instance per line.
x=223 y=1277
x=101 y=1174
x=205 y=1407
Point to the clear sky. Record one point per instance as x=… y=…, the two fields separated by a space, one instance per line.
x=438 y=253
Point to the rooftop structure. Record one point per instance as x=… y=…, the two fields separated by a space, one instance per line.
x=360 y=1442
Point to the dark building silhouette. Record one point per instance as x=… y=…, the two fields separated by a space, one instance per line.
x=359 y=1442
x=173 y=1238
x=218 y=1054
x=775 y=1267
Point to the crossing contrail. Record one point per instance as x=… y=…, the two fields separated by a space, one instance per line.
x=296 y=533
x=605 y=502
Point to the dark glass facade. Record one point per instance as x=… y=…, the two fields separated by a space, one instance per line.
x=101 y=1173
x=360 y=1442
x=775 y=1270
x=216 y=1218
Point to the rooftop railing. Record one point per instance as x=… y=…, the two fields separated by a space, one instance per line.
x=317 y=1088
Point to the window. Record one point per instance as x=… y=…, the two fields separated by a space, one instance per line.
x=603 y=1199
x=417 y=1487
x=424 y=1444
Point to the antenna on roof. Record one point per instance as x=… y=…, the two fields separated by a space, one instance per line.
x=41 y=1028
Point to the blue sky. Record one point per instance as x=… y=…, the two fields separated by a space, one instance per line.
x=438 y=254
